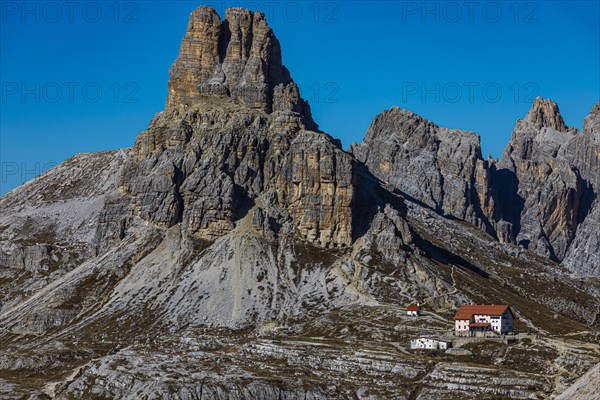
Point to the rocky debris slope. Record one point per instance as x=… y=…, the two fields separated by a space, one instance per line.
x=47 y=226
x=586 y=387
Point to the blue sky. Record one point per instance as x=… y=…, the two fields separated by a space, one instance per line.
x=89 y=75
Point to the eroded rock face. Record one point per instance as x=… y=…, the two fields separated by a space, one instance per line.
x=205 y=166
x=318 y=182
x=583 y=257
x=541 y=193
x=583 y=151
x=440 y=167
x=239 y=57
x=235 y=129
x=544 y=113
x=538 y=194
x=31 y=258
x=232 y=114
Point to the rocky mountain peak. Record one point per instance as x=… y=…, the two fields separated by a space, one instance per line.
x=398 y=124
x=541 y=171
x=240 y=58
x=544 y=113
x=442 y=168
x=232 y=246
x=591 y=123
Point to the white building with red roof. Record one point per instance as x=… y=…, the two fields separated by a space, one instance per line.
x=483 y=320
x=413 y=309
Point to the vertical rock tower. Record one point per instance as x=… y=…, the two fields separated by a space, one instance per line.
x=236 y=138
x=541 y=193
x=240 y=58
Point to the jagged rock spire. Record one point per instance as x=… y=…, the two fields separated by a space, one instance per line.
x=544 y=113
x=542 y=192
x=239 y=57
x=539 y=135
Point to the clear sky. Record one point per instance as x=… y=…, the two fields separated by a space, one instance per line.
x=86 y=76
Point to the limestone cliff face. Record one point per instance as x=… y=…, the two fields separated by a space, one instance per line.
x=583 y=151
x=583 y=257
x=205 y=168
x=537 y=195
x=235 y=133
x=318 y=181
x=240 y=58
x=440 y=167
x=542 y=194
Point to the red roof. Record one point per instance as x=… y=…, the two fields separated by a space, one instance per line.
x=467 y=311
x=413 y=307
x=479 y=324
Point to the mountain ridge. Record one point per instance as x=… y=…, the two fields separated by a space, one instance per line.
x=234 y=244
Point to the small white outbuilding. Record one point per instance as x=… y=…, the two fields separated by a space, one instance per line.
x=430 y=343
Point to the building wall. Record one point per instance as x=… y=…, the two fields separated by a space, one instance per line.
x=496 y=324
x=499 y=324
x=481 y=318
x=507 y=323
x=461 y=326
x=425 y=343
x=482 y=334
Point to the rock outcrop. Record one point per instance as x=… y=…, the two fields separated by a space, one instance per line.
x=537 y=195
x=234 y=129
x=583 y=256
x=541 y=193
x=440 y=167
x=206 y=168
x=586 y=387
x=318 y=182
x=240 y=58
